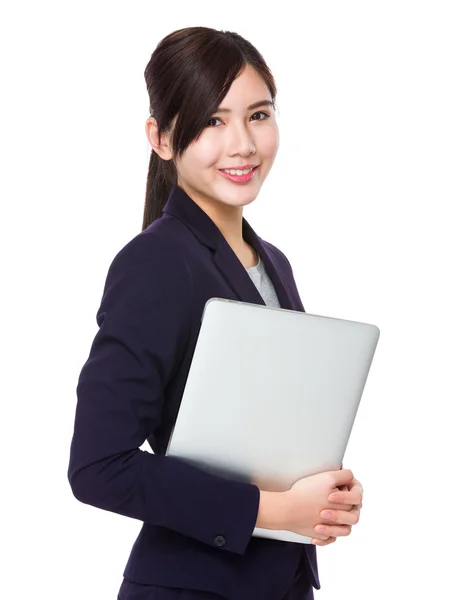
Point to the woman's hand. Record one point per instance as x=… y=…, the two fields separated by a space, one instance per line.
x=302 y=504
x=339 y=522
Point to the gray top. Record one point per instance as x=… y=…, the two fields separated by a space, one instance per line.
x=263 y=282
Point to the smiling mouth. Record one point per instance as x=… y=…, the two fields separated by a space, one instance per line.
x=244 y=177
x=243 y=171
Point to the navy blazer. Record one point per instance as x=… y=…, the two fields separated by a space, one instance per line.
x=197 y=527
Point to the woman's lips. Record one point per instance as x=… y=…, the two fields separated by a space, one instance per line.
x=240 y=178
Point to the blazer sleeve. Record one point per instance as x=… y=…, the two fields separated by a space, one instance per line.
x=144 y=322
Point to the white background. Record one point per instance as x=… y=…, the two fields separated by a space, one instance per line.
x=368 y=198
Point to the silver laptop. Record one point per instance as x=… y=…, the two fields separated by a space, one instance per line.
x=271 y=395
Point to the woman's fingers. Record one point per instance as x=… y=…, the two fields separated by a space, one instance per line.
x=342 y=517
x=319 y=542
x=338 y=524
x=332 y=530
x=354 y=496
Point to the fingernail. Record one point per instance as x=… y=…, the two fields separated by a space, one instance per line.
x=325 y=514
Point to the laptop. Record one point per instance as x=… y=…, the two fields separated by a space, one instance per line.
x=271 y=395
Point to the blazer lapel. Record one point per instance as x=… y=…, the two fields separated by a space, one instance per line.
x=181 y=206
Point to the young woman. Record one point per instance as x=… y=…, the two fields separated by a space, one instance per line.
x=214 y=138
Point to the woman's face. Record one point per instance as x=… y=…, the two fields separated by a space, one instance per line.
x=227 y=142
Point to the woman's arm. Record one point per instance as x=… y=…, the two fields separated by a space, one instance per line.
x=144 y=322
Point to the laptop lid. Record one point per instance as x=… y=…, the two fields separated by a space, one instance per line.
x=271 y=395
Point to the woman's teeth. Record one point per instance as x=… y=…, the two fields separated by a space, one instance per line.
x=237 y=171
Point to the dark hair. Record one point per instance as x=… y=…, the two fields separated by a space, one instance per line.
x=188 y=75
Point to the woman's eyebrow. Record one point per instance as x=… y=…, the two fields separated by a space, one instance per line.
x=254 y=105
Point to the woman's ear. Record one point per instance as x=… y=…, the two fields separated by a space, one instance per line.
x=163 y=149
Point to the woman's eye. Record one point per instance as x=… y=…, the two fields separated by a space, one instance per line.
x=256 y=113
x=262 y=113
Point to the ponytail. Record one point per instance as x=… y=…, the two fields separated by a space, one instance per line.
x=160 y=179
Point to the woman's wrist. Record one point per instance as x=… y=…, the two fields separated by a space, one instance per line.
x=273 y=510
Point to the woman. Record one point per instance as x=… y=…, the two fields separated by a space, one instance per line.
x=212 y=109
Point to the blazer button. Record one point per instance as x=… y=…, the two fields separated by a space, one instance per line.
x=219 y=540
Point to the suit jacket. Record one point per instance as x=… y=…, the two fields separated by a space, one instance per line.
x=197 y=527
